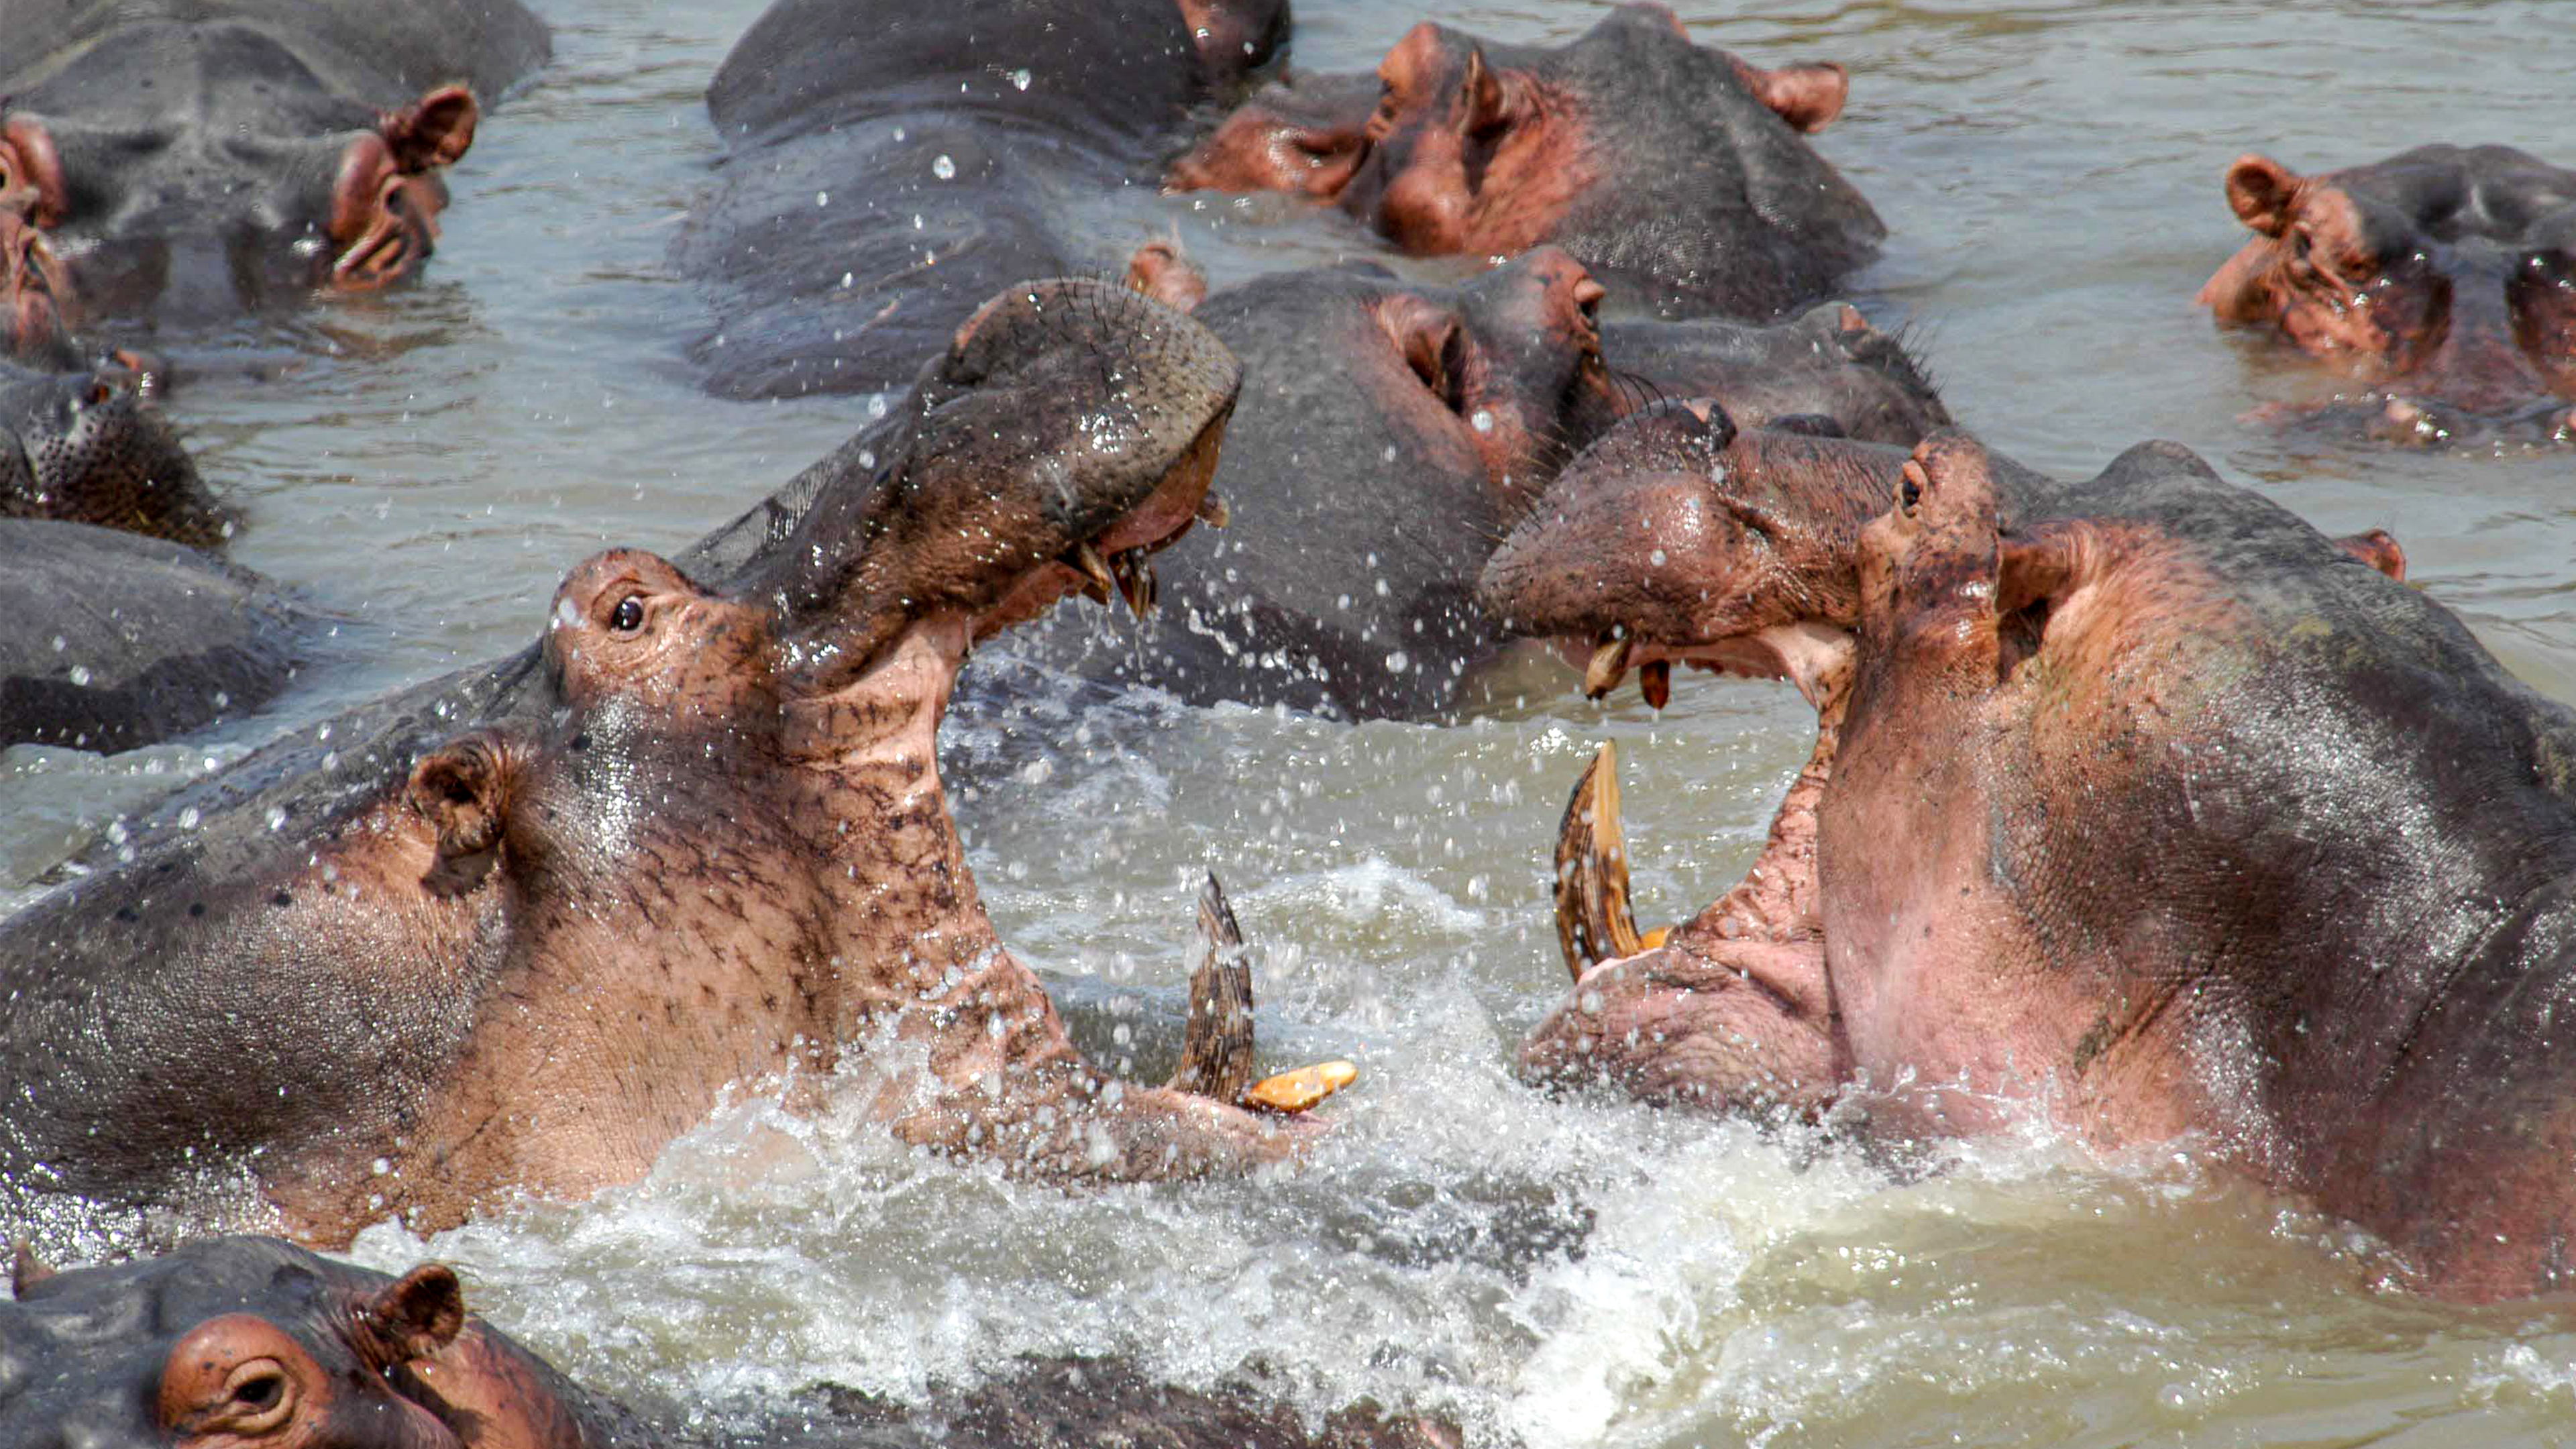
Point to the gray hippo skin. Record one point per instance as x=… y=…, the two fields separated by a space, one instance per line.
x=511 y=931
x=192 y=159
x=238 y=1341
x=1390 y=432
x=891 y=165
x=1677 y=172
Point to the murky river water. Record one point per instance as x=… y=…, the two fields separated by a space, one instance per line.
x=1571 y=1272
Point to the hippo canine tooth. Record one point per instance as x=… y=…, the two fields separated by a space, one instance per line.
x=1300 y=1089
x=1136 y=583
x=1212 y=512
x=1655 y=681
x=1100 y=582
x=1609 y=665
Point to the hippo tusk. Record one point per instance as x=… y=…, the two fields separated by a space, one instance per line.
x=1135 y=573
x=1655 y=681
x=1212 y=511
x=1100 y=583
x=1609 y=665
x=1216 y=1049
x=1593 y=921
x=1303 y=1088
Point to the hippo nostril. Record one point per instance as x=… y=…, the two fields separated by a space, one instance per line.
x=1909 y=487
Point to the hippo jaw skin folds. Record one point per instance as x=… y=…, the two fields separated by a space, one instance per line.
x=707 y=844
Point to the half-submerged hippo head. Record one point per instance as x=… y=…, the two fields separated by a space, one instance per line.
x=230 y=1343
x=705 y=841
x=209 y=165
x=90 y=447
x=1633 y=148
x=2444 y=278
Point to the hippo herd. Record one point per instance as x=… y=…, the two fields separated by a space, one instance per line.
x=513 y=930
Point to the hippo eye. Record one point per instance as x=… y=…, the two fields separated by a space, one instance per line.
x=629 y=616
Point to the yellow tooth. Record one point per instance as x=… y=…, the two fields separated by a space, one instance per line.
x=1655 y=681
x=1303 y=1088
x=1593 y=922
x=1136 y=581
x=1609 y=665
x=1212 y=512
x=1094 y=568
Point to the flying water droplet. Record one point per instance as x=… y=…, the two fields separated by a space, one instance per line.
x=943 y=168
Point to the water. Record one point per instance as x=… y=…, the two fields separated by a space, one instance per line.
x=428 y=463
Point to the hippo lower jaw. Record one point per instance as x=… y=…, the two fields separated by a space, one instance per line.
x=1812 y=656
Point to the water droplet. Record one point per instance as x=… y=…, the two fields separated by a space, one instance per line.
x=943 y=168
x=61 y=643
x=1656 y=558
x=188 y=818
x=1020 y=78
x=822 y=198
x=1398 y=662
x=847 y=278
x=1483 y=421
x=80 y=674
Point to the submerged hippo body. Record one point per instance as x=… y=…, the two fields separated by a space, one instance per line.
x=1390 y=432
x=242 y=1340
x=193 y=159
x=889 y=167
x=2443 y=277
x=1677 y=172
x=511 y=931
x=2138 y=799
x=115 y=642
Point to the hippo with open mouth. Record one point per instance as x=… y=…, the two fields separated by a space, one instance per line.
x=238 y=1341
x=2444 y=277
x=2326 y=934
x=514 y=930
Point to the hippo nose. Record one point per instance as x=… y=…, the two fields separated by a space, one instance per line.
x=1699 y=423
x=2480 y=365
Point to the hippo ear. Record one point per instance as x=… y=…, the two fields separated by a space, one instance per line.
x=2377 y=548
x=26 y=1270
x=1164 y=272
x=1488 y=103
x=1808 y=97
x=1433 y=345
x=416 y=1315
x=2263 y=192
x=433 y=133
x=2047 y=563
x=31 y=168
x=462 y=789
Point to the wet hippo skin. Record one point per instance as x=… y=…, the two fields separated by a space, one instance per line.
x=1677 y=172
x=238 y=1341
x=1390 y=431
x=2443 y=278
x=889 y=166
x=2135 y=800
x=510 y=932
x=176 y=158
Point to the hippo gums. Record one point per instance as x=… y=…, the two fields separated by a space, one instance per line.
x=1673 y=168
x=520 y=937
x=2444 y=278
x=160 y=156
x=889 y=166
x=238 y=1341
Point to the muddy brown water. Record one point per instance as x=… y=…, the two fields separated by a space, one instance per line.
x=1571 y=1272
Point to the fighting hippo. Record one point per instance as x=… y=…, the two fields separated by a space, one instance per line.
x=1390 y=432
x=242 y=1340
x=2443 y=278
x=2138 y=802
x=1677 y=171
x=158 y=157
x=513 y=930
x=890 y=166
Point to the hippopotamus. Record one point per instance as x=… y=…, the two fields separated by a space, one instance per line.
x=511 y=931
x=2443 y=278
x=1679 y=172
x=171 y=159
x=250 y=1340
x=1390 y=431
x=91 y=446
x=2138 y=803
x=891 y=166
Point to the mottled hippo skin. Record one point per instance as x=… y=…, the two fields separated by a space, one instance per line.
x=1390 y=432
x=181 y=158
x=2443 y=278
x=1677 y=172
x=890 y=166
x=514 y=930
x=233 y=1342
x=2140 y=801
x=90 y=446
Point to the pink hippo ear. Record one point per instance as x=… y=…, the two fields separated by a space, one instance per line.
x=1162 y=271
x=434 y=133
x=2049 y=562
x=414 y=1316
x=1808 y=97
x=2379 y=549
x=31 y=171
x=462 y=791
x=2263 y=192
x=1432 y=344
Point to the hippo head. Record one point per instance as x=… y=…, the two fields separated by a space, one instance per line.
x=317 y=193
x=1235 y=36
x=2445 y=278
x=1303 y=134
x=231 y=1343
x=1485 y=151
x=1827 y=372
x=90 y=447
x=1677 y=538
